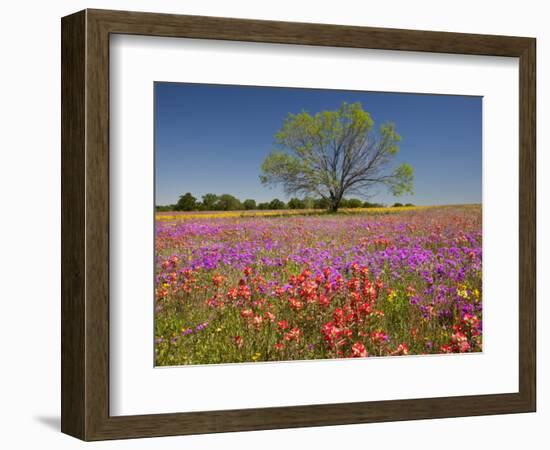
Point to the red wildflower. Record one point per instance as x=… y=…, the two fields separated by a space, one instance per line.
x=339 y=316
x=282 y=324
x=358 y=350
x=293 y=335
x=446 y=348
x=354 y=284
x=295 y=303
x=238 y=341
x=161 y=293
x=218 y=279
x=323 y=300
x=470 y=320
x=379 y=337
x=401 y=350
x=174 y=261
x=232 y=294
x=244 y=292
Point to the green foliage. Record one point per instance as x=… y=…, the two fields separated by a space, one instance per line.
x=186 y=202
x=208 y=201
x=390 y=136
x=276 y=204
x=372 y=205
x=226 y=202
x=351 y=203
x=249 y=204
x=401 y=181
x=296 y=203
x=397 y=205
x=165 y=208
x=280 y=165
x=309 y=203
x=321 y=203
x=333 y=153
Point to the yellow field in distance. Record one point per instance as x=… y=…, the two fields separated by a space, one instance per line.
x=184 y=215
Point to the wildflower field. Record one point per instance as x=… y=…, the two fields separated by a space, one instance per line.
x=232 y=288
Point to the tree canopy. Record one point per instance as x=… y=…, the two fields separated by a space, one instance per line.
x=249 y=203
x=186 y=202
x=333 y=153
x=227 y=202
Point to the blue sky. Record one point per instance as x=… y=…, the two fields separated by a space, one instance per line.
x=213 y=138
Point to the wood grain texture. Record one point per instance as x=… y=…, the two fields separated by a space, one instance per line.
x=97 y=226
x=73 y=109
x=527 y=224
x=152 y=24
x=85 y=224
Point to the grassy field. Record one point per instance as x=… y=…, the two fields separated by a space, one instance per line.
x=246 y=286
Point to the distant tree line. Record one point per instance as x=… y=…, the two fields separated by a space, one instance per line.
x=228 y=202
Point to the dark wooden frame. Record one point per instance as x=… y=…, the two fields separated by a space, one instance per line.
x=85 y=224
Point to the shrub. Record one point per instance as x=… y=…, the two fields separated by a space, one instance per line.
x=186 y=202
x=165 y=207
x=209 y=201
x=372 y=205
x=321 y=203
x=309 y=203
x=226 y=202
x=353 y=203
x=276 y=204
x=296 y=203
x=249 y=204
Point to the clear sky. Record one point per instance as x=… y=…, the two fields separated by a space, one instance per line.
x=213 y=138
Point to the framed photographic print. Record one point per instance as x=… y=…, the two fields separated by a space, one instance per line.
x=272 y=225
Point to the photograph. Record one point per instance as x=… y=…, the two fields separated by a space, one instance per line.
x=279 y=222
x=305 y=224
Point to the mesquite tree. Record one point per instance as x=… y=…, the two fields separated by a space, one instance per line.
x=334 y=153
